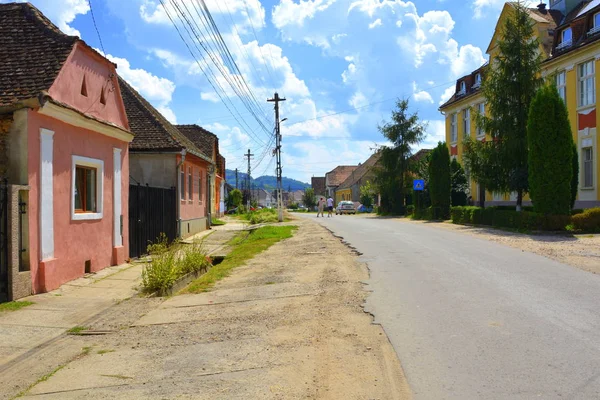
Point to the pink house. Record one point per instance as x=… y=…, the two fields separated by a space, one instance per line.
x=64 y=139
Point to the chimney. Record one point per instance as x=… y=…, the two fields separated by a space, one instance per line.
x=542 y=7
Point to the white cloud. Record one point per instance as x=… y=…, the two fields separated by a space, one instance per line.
x=447 y=94
x=463 y=60
x=289 y=13
x=158 y=91
x=421 y=95
x=358 y=100
x=349 y=73
x=436 y=132
x=480 y=7
x=375 y=23
x=61 y=12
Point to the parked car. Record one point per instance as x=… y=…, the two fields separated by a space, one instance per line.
x=231 y=211
x=345 y=207
x=363 y=209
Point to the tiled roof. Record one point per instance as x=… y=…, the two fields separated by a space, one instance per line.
x=318 y=184
x=360 y=172
x=419 y=155
x=152 y=131
x=580 y=19
x=202 y=138
x=339 y=174
x=32 y=52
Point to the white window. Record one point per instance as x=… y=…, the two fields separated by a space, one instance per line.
x=87 y=188
x=182 y=183
x=200 y=186
x=466 y=122
x=481 y=109
x=595 y=24
x=561 y=85
x=453 y=128
x=588 y=167
x=477 y=80
x=463 y=88
x=566 y=38
x=587 y=83
x=190 y=184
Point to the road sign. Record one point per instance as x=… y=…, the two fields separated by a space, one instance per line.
x=418 y=184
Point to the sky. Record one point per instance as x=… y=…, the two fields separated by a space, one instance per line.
x=340 y=64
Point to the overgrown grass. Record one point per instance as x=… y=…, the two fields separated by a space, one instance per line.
x=14 y=305
x=217 y=222
x=245 y=246
x=76 y=330
x=170 y=262
x=261 y=216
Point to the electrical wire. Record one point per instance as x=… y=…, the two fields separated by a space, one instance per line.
x=96 y=27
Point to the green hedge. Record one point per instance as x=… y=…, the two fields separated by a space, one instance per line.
x=429 y=214
x=503 y=218
x=410 y=209
x=588 y=220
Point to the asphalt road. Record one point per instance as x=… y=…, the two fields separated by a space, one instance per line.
x=472 y=319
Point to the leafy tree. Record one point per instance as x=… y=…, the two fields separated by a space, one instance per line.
x=440 y=181
x=460 y=185
x=403 y=132
x=509 y=85
x=550 y=153
x=234 y=199
x=308 y=198
x=575 y=178
x=366 y=194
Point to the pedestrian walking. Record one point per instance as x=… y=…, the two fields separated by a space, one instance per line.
x=329 y=207
x=320 y=206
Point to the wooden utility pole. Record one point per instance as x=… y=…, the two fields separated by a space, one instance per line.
x=276 y=99
x=236 y=178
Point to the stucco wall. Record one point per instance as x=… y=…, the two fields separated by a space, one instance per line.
x=74 y=241
x=156 y=170
x=5 y=124
x=197 y=206
x=18 y=152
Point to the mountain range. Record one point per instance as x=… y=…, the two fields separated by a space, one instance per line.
x=266 y=182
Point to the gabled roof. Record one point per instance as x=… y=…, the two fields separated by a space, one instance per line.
x=32 y=52
x=203 y=139
x=152 y=132
x=419 y=155
x=580 y=20
x=360 y=172
x=339 y=174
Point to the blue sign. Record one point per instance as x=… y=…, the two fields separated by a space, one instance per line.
x=418 y=184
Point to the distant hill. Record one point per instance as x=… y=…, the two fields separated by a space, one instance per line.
x=265 y=182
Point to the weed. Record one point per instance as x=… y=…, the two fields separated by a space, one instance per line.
x=218 y=222
x=76 y=330
x=105 y=351
x=270 y=283
x=245 y=246
x=14 y=305
x=85 y=350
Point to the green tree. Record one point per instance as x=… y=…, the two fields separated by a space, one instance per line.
x=575 y=178
x=440 y=181
x=234 y=199
x=403 y=132
x=460 y=186
x=308 y=198
x=367 y=192
x=550 y=153
x=509 y=85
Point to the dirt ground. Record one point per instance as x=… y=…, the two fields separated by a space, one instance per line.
x=581 y=251
x=288 y=325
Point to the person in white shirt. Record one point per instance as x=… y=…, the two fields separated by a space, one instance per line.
x=320 y=205
x=329 y=207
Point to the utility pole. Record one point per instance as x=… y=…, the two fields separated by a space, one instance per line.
x=276 y=99
x=236 y=178
x=249 y=193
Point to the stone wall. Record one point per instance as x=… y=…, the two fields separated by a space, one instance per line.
x=5 y=124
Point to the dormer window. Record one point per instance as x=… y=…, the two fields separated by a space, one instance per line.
x=463 y=88
x=566 y=38
x=477 y=80
x=595 y=24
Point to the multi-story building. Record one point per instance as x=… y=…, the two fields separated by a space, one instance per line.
x=568 y=33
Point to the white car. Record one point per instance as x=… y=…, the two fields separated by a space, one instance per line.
x=345 y=207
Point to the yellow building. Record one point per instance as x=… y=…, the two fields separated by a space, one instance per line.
x=568 y=32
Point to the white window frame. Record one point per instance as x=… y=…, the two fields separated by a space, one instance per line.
x=190 y=183
x=477 y=80
x=182 y=183
x=565 y=43
x=583 y=162
x=589 y=69
x=200 y=186
x=561 y=84
x=466 y=117
x=99 y=166
x=463 y=88
x=595 y=27
x=481 y=109
x=453 y=128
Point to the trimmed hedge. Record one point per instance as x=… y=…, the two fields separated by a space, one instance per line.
x=429 y=214
x=410 y=209
x=501 y=218
x=588 y=220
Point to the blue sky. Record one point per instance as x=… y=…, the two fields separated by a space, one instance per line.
x=325 y=56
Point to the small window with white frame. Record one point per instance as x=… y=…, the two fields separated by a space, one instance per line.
x=561 y=85
x=182 y=183
x=481 y=109
x=595 y=24
x=477 y=80
x=588 y=167
x=190 y=184
x=200 y=186
x=87 y=188
x=463 y=88
x=453 y=128
x=587 y=83
x=566 y=38
x=466 y=122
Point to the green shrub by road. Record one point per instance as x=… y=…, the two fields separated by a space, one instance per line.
x=588 y=220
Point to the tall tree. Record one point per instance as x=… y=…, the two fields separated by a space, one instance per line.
x=460 y=186
x=367 y=192
x=575 y=178
x=550 y=153
x=509 y=85
x=404 y=131
x=440 y=181
x=308 y=198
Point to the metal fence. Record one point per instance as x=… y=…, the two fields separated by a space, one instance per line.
x=152 y=211
x=3 y=241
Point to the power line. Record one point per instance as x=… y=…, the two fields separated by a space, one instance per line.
x=258 y=44
x=96 y=27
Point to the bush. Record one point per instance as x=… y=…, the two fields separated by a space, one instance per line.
x=588 y=220
x=261 y=216
x=293 y=206
x=440 y=185
x=410 y=209
x=511 y=219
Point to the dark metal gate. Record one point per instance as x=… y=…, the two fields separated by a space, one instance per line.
x=3 y=241
x=152 y=211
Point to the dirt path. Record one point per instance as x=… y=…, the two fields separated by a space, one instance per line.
x=288 y=325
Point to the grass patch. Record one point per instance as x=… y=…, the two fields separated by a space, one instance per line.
x=261 y=216
x=270 y=283
x=76 y=330
x=245 y=246
x=14 y=305
x=104 y=351
x=218 y=222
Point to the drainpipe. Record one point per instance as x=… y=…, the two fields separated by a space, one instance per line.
x=179 y=190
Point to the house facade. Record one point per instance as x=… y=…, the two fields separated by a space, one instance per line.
x=162 y=157
x=335 y=177
x=318 y=185
x=349 y=190
x=64 y=146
